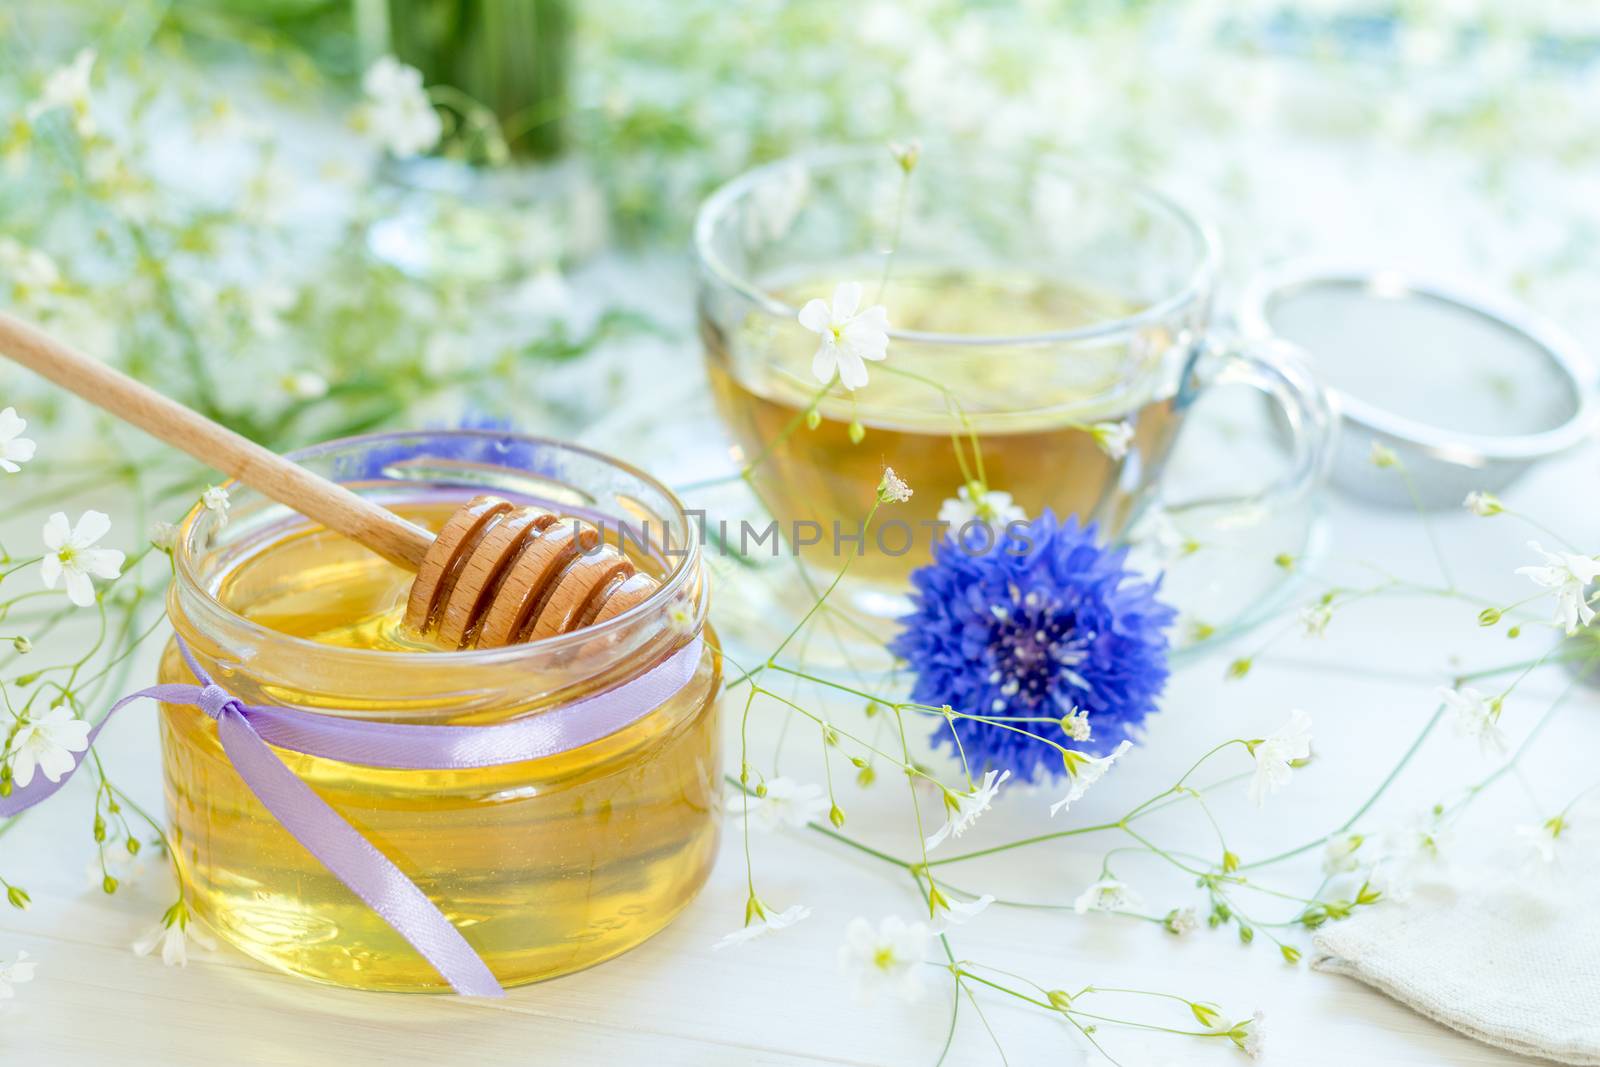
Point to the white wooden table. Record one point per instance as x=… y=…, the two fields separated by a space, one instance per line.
x=1369 y=686
x=781 y=1000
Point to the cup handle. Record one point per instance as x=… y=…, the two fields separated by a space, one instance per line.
x=1281 y=373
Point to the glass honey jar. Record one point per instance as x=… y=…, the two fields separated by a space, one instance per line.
x=545 y=866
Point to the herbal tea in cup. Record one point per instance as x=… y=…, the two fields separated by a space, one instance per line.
x=1046 y=329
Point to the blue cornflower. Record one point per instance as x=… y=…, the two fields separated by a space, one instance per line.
x=1039 y=622
x=495 y=444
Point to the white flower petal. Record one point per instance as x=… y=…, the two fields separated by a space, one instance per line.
x=22 y=764
x=101 y=562
x=814 y=317
x=852 y=372
x=80 y=590
x=91 y=527
x=824 y=363
x=846 y=299
x=56 y=531
x=149 y=940
x=50 y=570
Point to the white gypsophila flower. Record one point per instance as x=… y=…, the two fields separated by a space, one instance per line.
x=680 y=617
x=906 y=154
x=892 y=489
x=1484 y=504
x=398 y=113
x=848 y=335
x=68 y=87
x=27 y=268
x=14 y=448
x=967 y=807
x=1086 y=771
x=957 y=912
x=1274 y=754
x=164 y=535
x=1108 y=894
x=70 y=554
x=1339 y=854
x=173 y=934
x=1255 y=1036
x=1158 y=534
x=215 y=500
x=1181 y=922
x=1542 y=839
x=769 y=922
x=1075 y=724
x=264 y=303
x=991 y=507
x=1405 y=853
x=46 y=741
x=28 y=272
x=1569 y=575
x=1112 y=438
x=305 y=385
x=788 y=803
x=1476 y=716
x=15 y=973
x=888 y=956
x=1315 y=619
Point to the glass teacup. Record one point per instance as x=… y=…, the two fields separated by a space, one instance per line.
x=1049 y=329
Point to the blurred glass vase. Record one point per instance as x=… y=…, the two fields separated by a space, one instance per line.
x=494 y=202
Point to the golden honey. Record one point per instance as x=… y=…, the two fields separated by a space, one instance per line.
x=1029 y=406
x=545 y=866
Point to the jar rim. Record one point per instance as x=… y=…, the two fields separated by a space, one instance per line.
x=199 y=522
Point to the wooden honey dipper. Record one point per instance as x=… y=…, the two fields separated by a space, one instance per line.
x=495 y=575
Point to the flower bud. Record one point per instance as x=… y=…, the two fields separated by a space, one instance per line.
x=858 y=432
x=867 y=776
x=18 y=897
x=1246 y=934
x=1488 y=616
x=836 y=816
x=1230 y=862
x=906 y=155
x=99 y=827
x=1284 y=561
x=1059 y=999
x=109 y=884
x=1239 y=668
x=22 y=645
x=1290 y=953
x=761 y=789
x=133 y=846
x=1204 y=1014
x=813 y=419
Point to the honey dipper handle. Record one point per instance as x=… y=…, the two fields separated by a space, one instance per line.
x=216 y=446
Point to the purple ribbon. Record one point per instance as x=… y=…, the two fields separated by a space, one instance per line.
x=247 y=730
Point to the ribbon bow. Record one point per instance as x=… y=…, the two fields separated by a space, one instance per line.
x=247 y=732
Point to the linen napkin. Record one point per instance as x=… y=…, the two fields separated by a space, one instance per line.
x=1505 y=952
